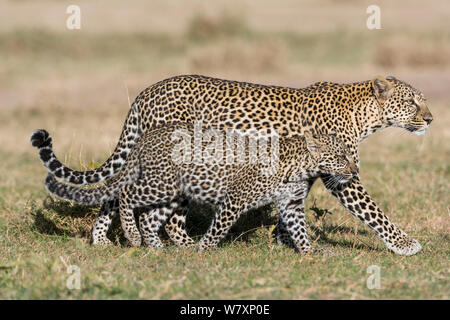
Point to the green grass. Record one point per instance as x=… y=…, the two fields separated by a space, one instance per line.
x=40 y=238
x=407 y=176
x=35 y=267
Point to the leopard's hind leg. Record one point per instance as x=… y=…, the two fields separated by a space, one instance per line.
x=126 y=205
x=151 y=221
x=176 y=225
x=146 y=195
x=108 y=212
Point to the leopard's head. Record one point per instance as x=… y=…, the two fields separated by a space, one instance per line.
x=331 y=156
x=401 y=105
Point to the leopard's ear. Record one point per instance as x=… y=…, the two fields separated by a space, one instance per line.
x=312 y=144
x=382 y=88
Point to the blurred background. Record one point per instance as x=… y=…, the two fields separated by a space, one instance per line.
x=74 y=79
x=78 y=84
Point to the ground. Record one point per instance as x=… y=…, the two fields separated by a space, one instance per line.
x=78 y=85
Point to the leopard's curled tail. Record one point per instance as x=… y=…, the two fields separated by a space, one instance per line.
x=42 y=140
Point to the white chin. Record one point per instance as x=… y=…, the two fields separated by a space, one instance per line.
x=420 y=132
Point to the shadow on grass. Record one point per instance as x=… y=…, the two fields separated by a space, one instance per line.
x=45 y=225
x=68 y=209
x=322 y=230
x=322 y=236
x=63 y=218
x=200 y=217
x=75 y=221
x=327 y=229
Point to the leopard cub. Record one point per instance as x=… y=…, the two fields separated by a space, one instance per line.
x=159 y=174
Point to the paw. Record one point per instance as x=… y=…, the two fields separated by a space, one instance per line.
x=205 y=245
x=405 y=246
x=186 y=243
x=101 y=241
x=135 y=241
x=153 y=243
x=327 y=252
x=183 y=241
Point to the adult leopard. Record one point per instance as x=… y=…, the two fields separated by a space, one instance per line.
x=353 y=111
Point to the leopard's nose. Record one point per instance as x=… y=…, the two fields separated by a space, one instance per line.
x=427 y=116
x=428 y=119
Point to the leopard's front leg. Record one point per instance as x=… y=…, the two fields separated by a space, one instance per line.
x=293 y=207
x=291 y=215
x=355 y=199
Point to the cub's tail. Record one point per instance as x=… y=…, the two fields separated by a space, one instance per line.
x=130 y=173
x=42 y=140
x=87 y=197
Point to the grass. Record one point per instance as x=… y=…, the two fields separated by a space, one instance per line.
x=40 y=238
x=75 y=84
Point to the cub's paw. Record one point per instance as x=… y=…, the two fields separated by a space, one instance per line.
x=405 y=246
x=205 y=246
x=101 y=242
x=135 y=241
x=202 y=247
x=186 y=243
x=327 y=252
x=152 y=243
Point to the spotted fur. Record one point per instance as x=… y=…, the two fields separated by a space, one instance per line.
x=156 y=178
x=353 y=111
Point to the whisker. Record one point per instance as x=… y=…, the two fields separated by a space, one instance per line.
x=328 y=183
x=336 y=184
x=332 y=183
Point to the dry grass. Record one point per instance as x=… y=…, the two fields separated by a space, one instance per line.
x=76 y=85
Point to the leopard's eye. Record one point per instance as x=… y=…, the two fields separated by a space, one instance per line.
x=409 y=101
